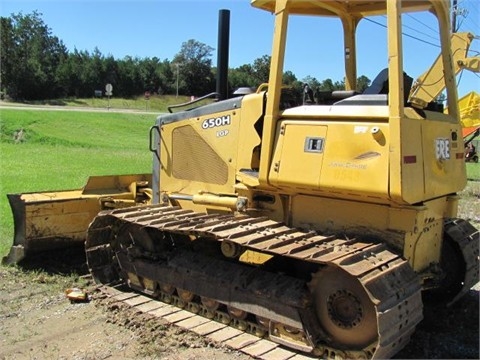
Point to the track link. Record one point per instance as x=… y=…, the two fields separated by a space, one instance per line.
x=119 y=245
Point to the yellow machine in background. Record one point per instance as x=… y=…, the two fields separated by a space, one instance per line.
x=430 y=84
x=317 y=226
x=470 y=118
x=469 y=106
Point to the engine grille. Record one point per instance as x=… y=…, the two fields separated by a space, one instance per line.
x=195 y=160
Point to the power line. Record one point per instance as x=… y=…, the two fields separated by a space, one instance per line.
x=461 y=74
x=421 y=22
x=472 y=24
x=469 y=7
x=420 y=32
x=404 y=34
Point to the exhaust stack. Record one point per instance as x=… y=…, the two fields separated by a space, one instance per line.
x=222 y=54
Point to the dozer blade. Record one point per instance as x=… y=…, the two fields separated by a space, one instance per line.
x=59 y=219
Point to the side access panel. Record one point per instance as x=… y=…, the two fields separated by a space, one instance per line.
x=343 y=159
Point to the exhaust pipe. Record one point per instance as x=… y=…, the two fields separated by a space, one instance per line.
x=222 y=54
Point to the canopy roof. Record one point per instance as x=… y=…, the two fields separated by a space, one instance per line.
x=355 y=8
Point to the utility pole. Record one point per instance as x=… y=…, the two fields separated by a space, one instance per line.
x=177 y=67
x=454 y=16
x=456 y=13
x=177 y=64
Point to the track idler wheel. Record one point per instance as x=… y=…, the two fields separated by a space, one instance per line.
x=344 y=309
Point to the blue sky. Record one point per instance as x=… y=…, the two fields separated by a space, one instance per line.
x=157 y=28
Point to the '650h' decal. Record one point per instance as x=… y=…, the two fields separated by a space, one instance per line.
x=214 y=122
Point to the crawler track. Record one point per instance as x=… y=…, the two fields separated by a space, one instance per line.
x=467 y=239
x=341 y=298
x=213 y=330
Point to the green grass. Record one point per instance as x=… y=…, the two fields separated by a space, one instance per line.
x=473 y=171
x=61 y=149
x=469 y=203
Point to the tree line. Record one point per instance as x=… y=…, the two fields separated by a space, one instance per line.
x=36 y=65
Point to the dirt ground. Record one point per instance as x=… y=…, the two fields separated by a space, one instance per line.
x=37 y=321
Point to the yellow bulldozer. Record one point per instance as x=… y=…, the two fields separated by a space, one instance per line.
x=317 y=225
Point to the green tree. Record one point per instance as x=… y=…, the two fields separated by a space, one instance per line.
x=36 y=65
x=7 y=61
x=195 y=68
x=241 y=77
x=129 y=81
x=327 y=85
x=110 y=69
x=33 y=57
x=312 y=82
x=82 y=73
x=289 y=78
x=149 y=75
x=362 y=83
x=261 y=69
x=166 y=77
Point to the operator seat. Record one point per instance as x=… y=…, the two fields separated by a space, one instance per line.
x=380 y=85
x=377 y=93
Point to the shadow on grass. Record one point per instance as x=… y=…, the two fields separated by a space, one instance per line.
x=58 y=262
x=78 y=102
x=54 y=102
x=58 y=102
